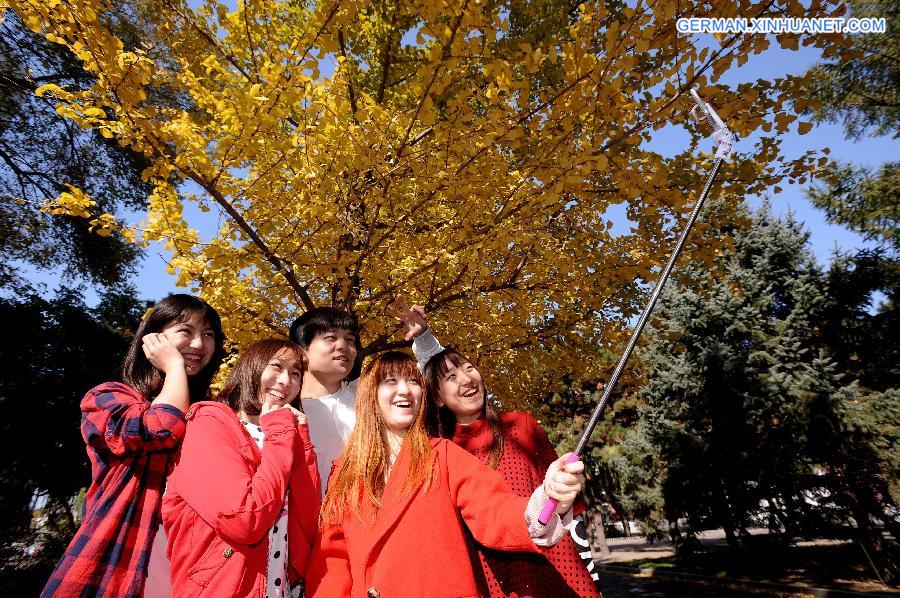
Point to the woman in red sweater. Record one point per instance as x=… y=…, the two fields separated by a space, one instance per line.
x=392 y=522
x=241 y=504
x=515 y=445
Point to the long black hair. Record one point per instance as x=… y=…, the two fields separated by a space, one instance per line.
x=139 y=373
x=441 y=421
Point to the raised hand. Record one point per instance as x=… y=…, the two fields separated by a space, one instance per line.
x=269 y=406
x=161 y=353
x=413 y=317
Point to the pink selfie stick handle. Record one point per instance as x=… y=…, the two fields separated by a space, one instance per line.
x=547 y=511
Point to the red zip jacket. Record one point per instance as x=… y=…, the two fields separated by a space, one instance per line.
x=224 y=495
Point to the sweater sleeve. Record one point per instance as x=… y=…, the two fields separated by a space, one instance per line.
x=305 y=500
x=424 y=347
x=115 y=418
x=214 y=479
x=545 y=454
x=329 y=565
x=494 y=515
x=545 y=535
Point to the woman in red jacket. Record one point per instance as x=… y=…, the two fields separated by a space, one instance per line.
x=241 y=504
x=515 y=445
x=392 y=522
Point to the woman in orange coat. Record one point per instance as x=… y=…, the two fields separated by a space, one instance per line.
x=392 y=522
x=241 y=505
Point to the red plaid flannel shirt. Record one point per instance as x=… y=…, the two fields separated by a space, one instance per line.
x=130 y=444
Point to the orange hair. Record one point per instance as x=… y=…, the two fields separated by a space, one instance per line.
x=360 y=477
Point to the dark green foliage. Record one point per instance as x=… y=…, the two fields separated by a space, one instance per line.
x=860 y=87
x=865 y=202
x=861 y=324
x=771 y=398
x=53 y=352
x=41 y=152
x=734 y=375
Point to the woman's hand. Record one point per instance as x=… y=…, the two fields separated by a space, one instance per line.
x=563 y=482
x=161 y=353
x=413 y=317
x=268 y=407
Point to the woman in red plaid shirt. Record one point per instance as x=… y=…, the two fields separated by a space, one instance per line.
x=131 y=429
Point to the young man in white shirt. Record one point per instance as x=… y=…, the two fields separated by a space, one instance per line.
x=330 y=338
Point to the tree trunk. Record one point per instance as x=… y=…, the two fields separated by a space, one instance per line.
x=674 y=533
x=597 y=532
x=620 y=512
x=593 y=518
x=871 y=540
x=626 y=526
x=730 y=536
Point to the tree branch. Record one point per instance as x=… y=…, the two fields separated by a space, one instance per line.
x=386 y=58
x=445 y=54
x=350 y=90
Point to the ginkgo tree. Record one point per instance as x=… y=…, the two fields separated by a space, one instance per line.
x=465 y=153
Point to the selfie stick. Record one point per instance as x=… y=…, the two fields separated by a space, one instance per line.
x=724 y=141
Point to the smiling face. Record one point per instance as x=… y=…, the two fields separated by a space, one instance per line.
x=194 y=338
x=399 y=399
x=331 y=354
x=281 y=379
x=461 y=390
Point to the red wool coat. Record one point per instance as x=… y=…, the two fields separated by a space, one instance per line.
x=527 y=453
x=224 y=495
x=416 y=546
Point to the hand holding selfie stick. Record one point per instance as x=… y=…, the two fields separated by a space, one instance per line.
x=724 y=141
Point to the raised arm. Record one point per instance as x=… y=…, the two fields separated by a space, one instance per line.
x=165 y=357
x=498 y=518
x=115 y=418
x=425 y=345
x=494 y=515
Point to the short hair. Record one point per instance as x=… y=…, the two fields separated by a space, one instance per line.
x=441 y=421
x=241 y=389
x=320 y=320
x=137 y=371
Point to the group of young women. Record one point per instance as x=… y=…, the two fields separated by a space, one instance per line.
x=430 y=491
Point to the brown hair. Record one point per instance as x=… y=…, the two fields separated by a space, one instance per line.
x=360 y=477
x=241 y=390
x=139 y=373
x=441 y=421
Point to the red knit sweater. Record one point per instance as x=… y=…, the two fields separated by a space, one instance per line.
x=527 y=453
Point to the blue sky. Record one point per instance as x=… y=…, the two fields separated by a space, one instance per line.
x=153 y=282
